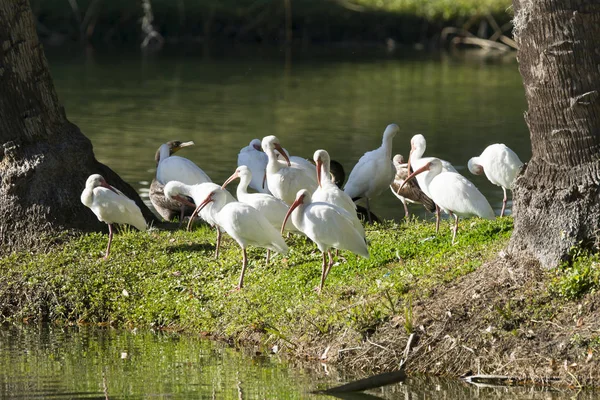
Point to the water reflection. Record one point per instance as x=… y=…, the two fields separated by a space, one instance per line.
x=98 y=363
x=128 y=105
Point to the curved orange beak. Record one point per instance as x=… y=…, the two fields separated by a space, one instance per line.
x=283 y=154
x=198 y=209
x=231 y=178
x=294 y=205
x=319 y=165
x=417 y=172
x=105 y=184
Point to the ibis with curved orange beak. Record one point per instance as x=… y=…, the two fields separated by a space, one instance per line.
x=244 y=224
x=328 y=226
x=453 y=192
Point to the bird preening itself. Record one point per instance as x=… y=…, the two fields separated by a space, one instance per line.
x=168 y=168
x=111 y=206
x=411 y=192
x=500 y=165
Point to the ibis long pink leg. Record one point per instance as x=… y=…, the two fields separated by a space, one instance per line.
x=329 y=264
x=218 y=243
x=437 y=218
x=181 y=214
x=110 y=236
x=268 y=255
x=405 y=209
x=323 y=273
x=455 y=227
x=503 y=203
x=244 y=264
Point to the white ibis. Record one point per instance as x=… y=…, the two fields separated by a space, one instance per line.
x=453 y=192
x=285 y=180
x=328 y=226
x=169 y=167
x=374 y=172
x=411 y=193
x=253 y=157
x=272 y=208
x=245 y=224
x=111 y=206
x=178 y=191
x=175 y=168
x=416 y=161
x=500 y=165
x=328 y=191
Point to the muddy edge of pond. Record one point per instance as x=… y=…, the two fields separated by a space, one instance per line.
x=499 y=319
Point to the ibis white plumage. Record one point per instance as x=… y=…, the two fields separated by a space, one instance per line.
x=285 y=179
x=454 y=193
x=328 y=191
x=255 y=159
x=418 y=144
x=245 y=224
x=328 y=226
x=111 y=206
x=500 y=165
x=178 y=190
x=175 y=168
x=374 y=171
x=272 y=208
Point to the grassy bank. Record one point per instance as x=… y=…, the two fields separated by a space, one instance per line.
x=171 y=279
x=406 y=21
x=502 y=317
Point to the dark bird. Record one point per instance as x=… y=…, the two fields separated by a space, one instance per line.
x=410 y=192
x=166 y=207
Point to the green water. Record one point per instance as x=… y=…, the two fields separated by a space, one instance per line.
x=340 y=100
x=94 y=363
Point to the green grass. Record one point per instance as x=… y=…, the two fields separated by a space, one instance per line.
x=577 y=276
x=171 y=279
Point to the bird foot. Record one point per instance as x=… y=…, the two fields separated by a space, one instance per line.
x=317 y=290
x=237 y=288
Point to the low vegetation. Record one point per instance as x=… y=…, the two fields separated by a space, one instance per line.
x=171 y=279
x=470 y=305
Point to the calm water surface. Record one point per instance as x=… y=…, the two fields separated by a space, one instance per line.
x=128 y=104
x=88 y=363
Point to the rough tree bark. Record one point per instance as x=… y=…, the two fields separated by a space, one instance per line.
x=557 y=197
x=44 y=159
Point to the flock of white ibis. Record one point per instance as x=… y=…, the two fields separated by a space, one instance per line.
x=291 y=194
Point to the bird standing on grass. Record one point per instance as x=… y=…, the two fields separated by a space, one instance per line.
x=180 y=192
x=168 y=168
x=285 y=179
x=500 y=165
x=454 y=193
x=328 y=226
x=374 y=171
x=245 y=224
x=418 y=144
x=411 y=193
x=111 y=206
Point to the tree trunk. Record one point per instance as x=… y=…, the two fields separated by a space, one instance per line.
x=556 y=197
x=44 y=159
